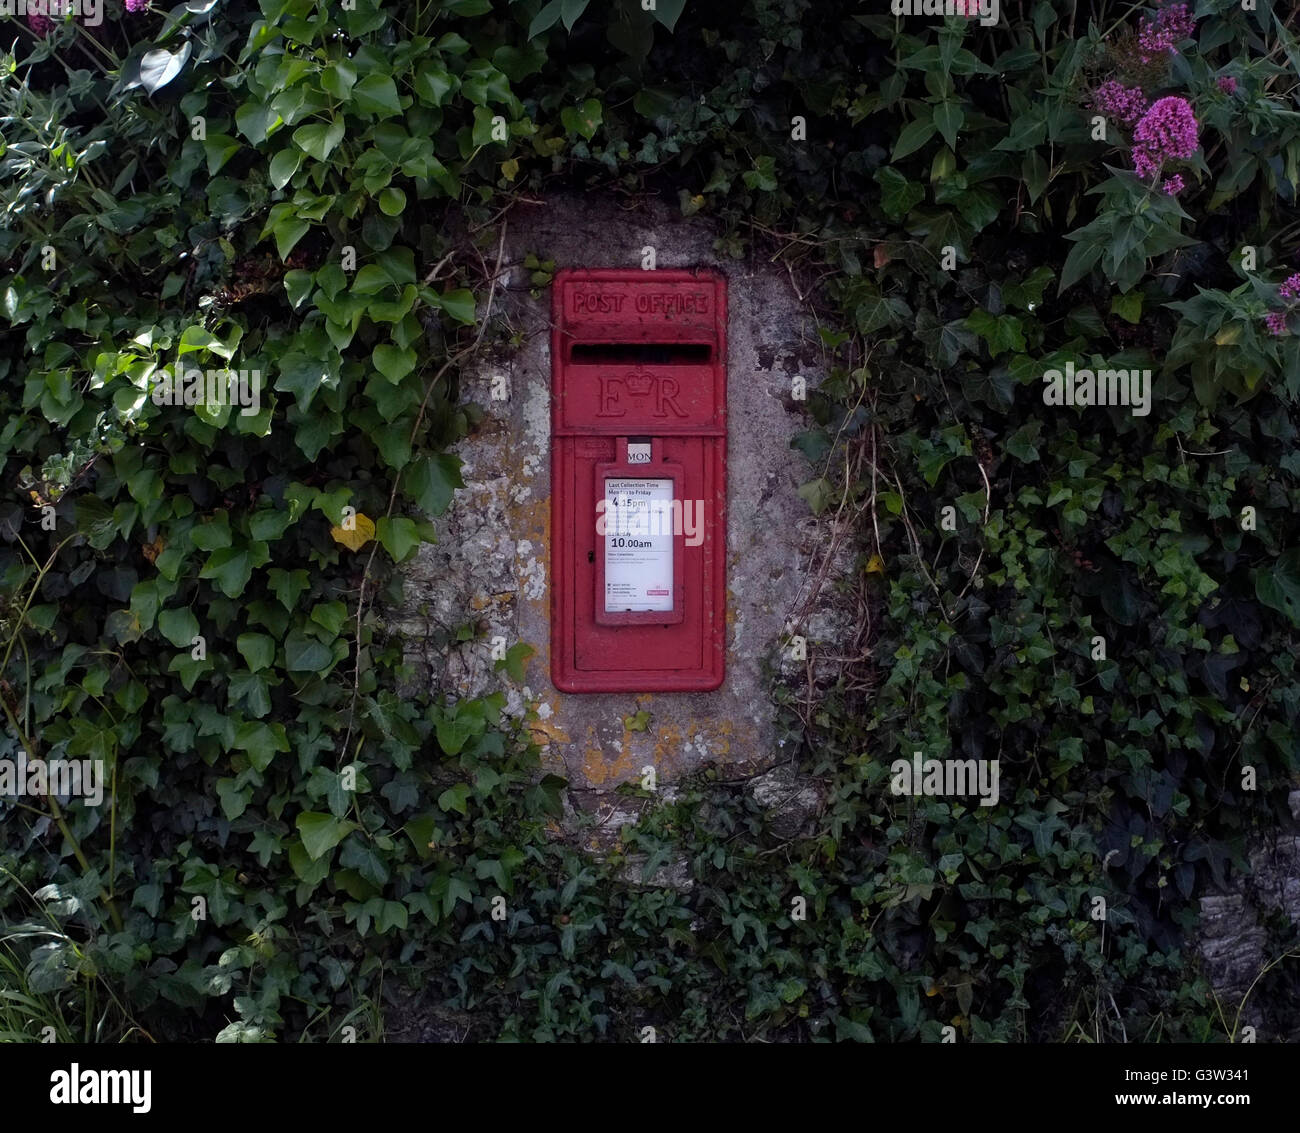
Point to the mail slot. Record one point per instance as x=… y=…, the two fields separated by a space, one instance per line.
x=638 y=481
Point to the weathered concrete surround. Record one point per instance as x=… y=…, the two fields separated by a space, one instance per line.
x=493 y=555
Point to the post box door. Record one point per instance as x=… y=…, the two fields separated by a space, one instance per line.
x=638 y=494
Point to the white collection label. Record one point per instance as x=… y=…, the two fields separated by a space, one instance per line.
x=638 y=545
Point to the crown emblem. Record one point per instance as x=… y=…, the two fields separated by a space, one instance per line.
x=638 y=385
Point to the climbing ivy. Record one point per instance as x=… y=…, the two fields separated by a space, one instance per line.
x=195 y=594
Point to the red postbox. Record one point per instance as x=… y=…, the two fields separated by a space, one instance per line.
x=638 y=481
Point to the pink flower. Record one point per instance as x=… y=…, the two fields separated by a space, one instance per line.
x=41 y=25
x=1173 y=185
x=1168 y=130
x=1290 y=289
x=1276 y=322
x=1125 y=104
x=1160 y=36
x=136 y=5
x=1227 y=84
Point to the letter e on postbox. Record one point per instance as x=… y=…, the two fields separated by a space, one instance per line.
x=638 y=481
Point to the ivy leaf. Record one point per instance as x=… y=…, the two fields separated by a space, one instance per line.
x=877 y=311
x=159 y=67
x=233 y=801
x=584 y=119
x=394 y=442
x=303 y=654
x=1001 y=332
x=257 y=649
x=570 y=10
x=257 y=121
x=457 y=891
x=393 y=362
x=231 y=568
x=433 y=82
x=123 y=626
x=515 y=660
x=180 y=627
x=320 y=833
x=319 y=139
x=377 y=95
x=431 y=481
x=358 y=535
x=220 y=148
x=1278 y=586
x=898 y=194
x=301 y=376
x=818 y=493
x=548 y=17
x=668 y=12
x=399 y=537
x=288 y=231
x=946 y=343
x=330 y=616
x=459 y=304
x=455 y=798
x=297 y=285
x=338 y=78
x=392 y=201
x=261 y=742
x=250 y=692
x=1129 y=307
x=1021 y=443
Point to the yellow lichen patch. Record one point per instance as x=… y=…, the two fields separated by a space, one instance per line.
x=544 y=733
x=593 y=766
x=600 y=765
x=714 y=735
x=668 y=745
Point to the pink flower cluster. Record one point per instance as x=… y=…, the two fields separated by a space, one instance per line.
x=1290 y=291
x=1125 y=104
x=1228 y=84
x=1173 y=185
x=1168 y=130
x=1161 y=36
x=41 y=24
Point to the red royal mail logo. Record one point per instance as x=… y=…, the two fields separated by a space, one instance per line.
x=641 y=389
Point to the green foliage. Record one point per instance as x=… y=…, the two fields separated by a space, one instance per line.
x=283 y=829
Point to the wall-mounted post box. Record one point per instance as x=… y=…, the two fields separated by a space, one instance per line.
x=638 y=481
